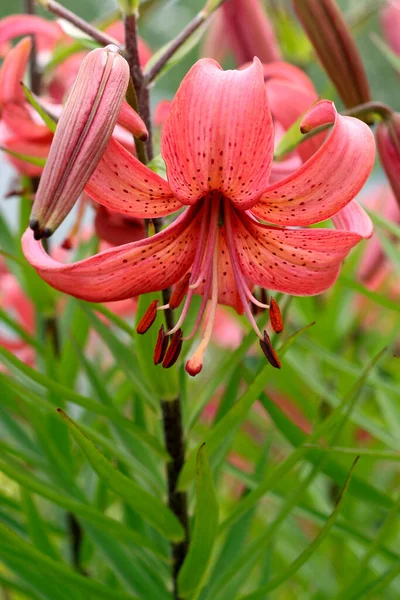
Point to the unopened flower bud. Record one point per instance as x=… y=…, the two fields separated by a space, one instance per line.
x=388 y=142
x=83 y=132
x=336 y=48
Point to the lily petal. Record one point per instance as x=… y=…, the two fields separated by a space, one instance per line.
x=12 y=72
x=124 y=271
x=123 y=184
x=329 y=180
x=284 y=71
x=301 y=262
x=227 y=287
x=354 y=218
x=36 y=149
x=47 y=32
x=129 y=119
x=219 y=134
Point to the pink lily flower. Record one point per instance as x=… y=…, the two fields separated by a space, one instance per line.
x=388 y=143
x=217 y=143
x=243 y=27
x=374 y=266
x=390 y=23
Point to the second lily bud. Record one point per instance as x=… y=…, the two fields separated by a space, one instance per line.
x=83 y=132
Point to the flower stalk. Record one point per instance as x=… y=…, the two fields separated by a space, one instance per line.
x=58 y=9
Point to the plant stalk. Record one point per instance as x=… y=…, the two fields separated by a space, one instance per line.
x=58 y=9
x=171 y=410
x=177 y=501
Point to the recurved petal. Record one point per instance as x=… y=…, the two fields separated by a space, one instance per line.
x=47 y=32
x=283 y=71
x=301 y=262
x=18 y=119
x=329 y=180
x=354 y=218
x=36 y=149
x=124 y=184
x=129 y=119
x=145 y=266
x=12 y=72
x=219 y=135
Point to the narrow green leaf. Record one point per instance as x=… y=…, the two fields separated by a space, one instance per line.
x=307 y=553
x=33 y=160
x=123 y=356
x=226 y=425
x=284 y=467
x=192 y=574
x=42 y=112
x=17 y=547
x=69 y=395
x=387 y=52
x=148 y=506
x=136 y=541
x=37 y=528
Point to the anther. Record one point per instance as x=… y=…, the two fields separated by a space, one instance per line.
x=161 y=346
x=275 y=316
x=179 y=291
x=269 y=352
x=148 y=318
x=174 y=350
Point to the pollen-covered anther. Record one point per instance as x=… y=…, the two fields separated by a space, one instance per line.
x=174 y=350
x=148 y=318
x=179 y=291
x=269 y=352
x=160 y=347
x=275 y=316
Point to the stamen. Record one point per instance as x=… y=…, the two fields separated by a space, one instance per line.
x=205 y=262
x=195 y=364
x=148 y=318
x=269 y=352
x=237 y=273
x=174 y=350
x=160 y=347
x=275 y=316
x=179 y=291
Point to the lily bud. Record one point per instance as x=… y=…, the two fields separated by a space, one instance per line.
x=336 y=48
x=83 y=132
x=243 y=26
x=388 y=142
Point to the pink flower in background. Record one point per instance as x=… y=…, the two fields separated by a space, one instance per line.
x=217 y=144
x=374 y=266
x=390 y=23
x=243 y=27
x=17 y=304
